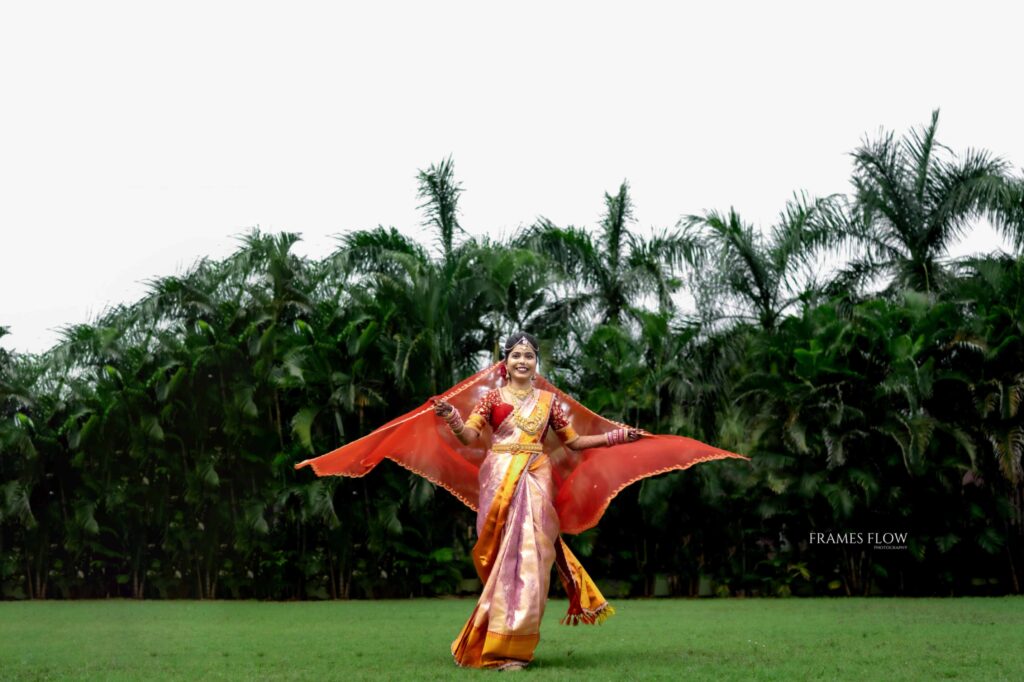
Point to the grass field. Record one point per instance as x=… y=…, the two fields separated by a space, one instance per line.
x=717 y=639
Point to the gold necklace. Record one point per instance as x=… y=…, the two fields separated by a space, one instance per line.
x=529 y=423
x=520 y=394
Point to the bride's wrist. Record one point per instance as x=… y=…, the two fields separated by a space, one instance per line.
x=616 y=437
x=455 y=423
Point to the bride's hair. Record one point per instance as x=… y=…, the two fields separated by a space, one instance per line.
x=518 y=338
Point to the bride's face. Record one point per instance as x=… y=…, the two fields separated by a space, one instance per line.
x=521 y=362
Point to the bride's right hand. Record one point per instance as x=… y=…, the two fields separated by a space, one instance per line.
x=442 y=408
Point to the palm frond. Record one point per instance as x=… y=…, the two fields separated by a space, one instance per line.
x=438 y=187
x=920 y=145
x=615 y=222
x=570 y=249
x=964 y=191
x=1008 y=218
x=384 y=251
x=878 y=182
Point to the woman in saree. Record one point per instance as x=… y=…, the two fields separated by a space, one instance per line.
x=517 y=524
x=538 y=477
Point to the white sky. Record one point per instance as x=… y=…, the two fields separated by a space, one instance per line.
x=137 y=137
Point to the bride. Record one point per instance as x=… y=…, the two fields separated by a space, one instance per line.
x=537 y=477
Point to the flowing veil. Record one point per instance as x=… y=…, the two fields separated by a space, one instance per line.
x=586 y=480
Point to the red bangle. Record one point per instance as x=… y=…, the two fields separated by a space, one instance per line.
x=615 y=437
x=455 y=422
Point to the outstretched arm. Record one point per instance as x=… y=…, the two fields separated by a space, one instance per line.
x=601 y=440
x=574 y=441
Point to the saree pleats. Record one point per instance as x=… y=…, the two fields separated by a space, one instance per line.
x=513 y=557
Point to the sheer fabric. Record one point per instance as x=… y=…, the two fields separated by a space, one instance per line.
x=585 y=481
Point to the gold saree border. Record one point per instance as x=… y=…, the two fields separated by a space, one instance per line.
x=489 y=541
x=478 y=647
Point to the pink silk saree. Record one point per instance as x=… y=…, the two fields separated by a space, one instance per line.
x=517 y=529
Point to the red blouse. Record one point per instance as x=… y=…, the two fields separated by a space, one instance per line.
x=493 y=410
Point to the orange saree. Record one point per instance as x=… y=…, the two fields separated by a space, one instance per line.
x=527 y=489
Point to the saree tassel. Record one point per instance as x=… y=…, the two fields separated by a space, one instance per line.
x=604 y=614
x=578 y=615
x=573 y=619
x=586 y=603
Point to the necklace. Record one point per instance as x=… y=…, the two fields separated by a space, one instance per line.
x=520 y=394
x=530 y=423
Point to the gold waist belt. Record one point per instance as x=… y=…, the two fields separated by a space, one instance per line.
x=518 y=447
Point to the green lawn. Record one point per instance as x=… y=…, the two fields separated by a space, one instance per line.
x=717 y=639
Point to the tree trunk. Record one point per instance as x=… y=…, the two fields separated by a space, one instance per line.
x=1014 y=577
x=1015 y=538
x=231 y=492
x=28 y=576
x=345 y=578
x=136 y=581
x=277 y=407
x=40 y=575
x=330 y=572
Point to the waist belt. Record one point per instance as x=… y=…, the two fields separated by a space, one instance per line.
x=518 y=447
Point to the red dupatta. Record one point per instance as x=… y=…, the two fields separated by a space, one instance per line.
x=586 y=480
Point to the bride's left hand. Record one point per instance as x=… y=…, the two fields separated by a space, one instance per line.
x=632 y=434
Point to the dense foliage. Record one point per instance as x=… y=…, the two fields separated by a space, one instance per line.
x=150 y=454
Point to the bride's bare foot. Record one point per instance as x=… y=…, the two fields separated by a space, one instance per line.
x=512 y=665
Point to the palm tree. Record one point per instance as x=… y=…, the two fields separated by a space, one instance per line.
x=610 y=274
x=994 y=291
x=745 y=275
x=443 y=313
x=914 y=198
